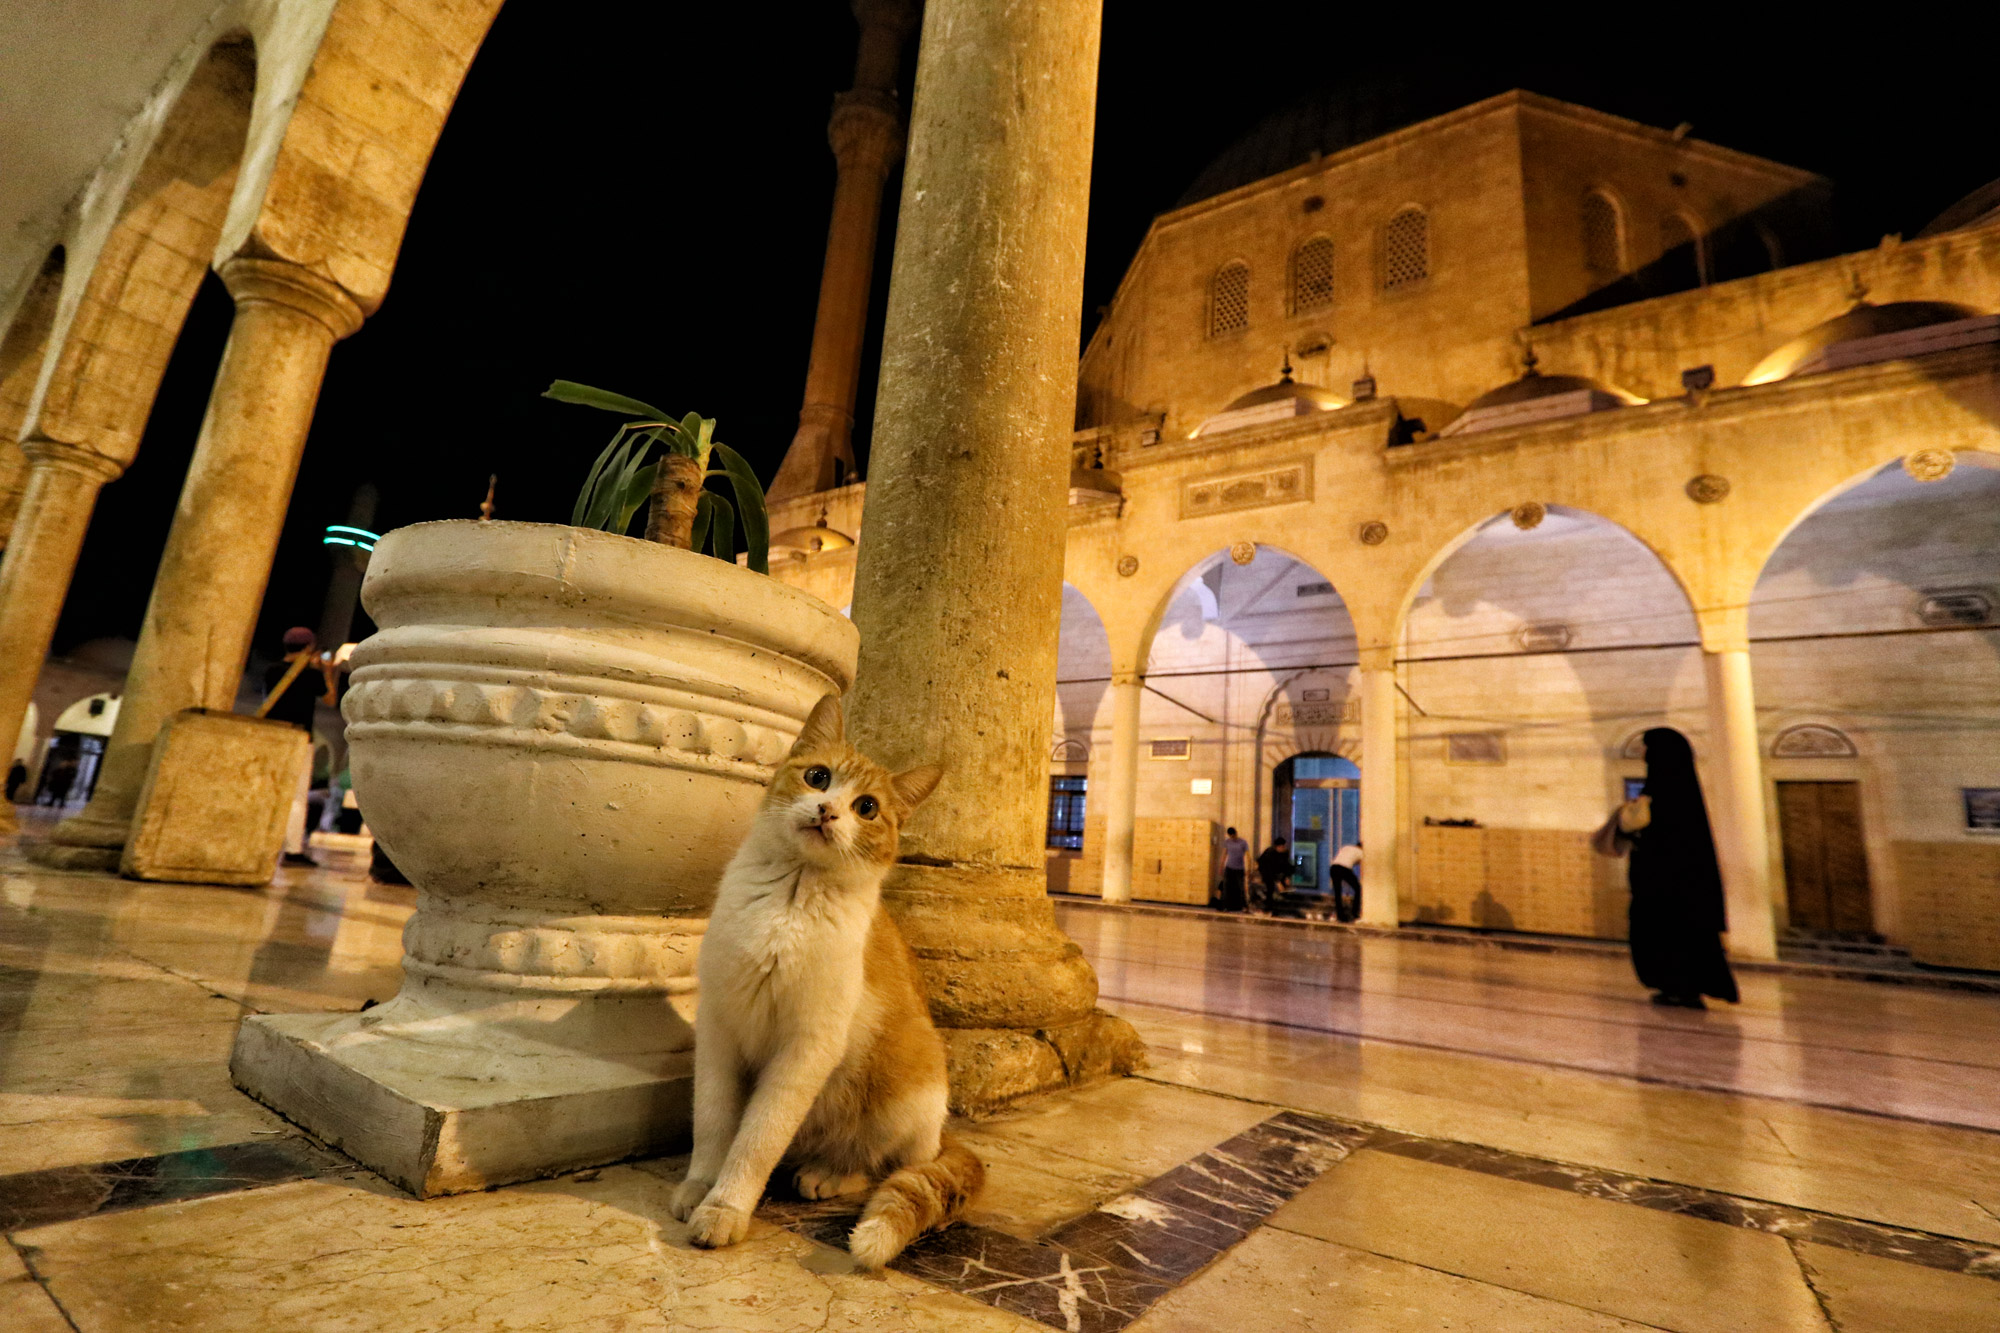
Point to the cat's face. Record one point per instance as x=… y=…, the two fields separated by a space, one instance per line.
x=837 y=805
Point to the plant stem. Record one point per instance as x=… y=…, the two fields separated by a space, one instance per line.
x=676 y=492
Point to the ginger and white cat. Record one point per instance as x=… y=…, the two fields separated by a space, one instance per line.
x=813 y=1042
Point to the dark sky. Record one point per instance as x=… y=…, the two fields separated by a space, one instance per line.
x=641 y=202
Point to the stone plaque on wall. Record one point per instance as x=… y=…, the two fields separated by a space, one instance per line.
x=1318 y=712
x=1252 y=488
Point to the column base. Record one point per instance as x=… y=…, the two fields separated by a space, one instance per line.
x=990 y=1067
x=61 y=856
x=441 y=1118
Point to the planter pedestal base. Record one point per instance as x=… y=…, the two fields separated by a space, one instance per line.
x=441 y=1118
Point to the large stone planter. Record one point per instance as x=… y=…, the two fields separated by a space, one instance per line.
x=560 y=736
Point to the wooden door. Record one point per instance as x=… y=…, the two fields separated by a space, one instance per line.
x=1826 y=860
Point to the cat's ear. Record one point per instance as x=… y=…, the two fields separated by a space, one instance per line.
x=913 y=786
x=824 y=726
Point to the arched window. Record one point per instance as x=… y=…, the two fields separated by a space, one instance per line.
x=1680 y=253
x=1312 y=275
x=1406 y=250
x=1603 y=245
x=1229 y=299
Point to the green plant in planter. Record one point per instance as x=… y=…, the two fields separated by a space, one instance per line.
x=685 y=512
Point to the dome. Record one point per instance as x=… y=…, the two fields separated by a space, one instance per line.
x=1538 y=397
x=1534 y=384
x=811 y=540
x=1288 y=390
x=1806 y=353
x=1274 y=402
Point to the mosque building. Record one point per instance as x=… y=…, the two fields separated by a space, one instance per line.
x=1444 y=464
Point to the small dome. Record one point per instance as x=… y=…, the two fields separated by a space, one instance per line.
x=811 y=540
x=1537 y=397
x=1534 y=384
x=1274 y=402
x=1286 y=389
x=1977 y=209
x=1863 y=321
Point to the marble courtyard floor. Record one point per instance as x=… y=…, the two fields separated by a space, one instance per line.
x=1337 y=1132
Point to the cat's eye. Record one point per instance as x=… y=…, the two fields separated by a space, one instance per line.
x=818 y=776
x=865 y=806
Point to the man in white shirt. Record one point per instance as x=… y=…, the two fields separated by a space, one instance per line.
x=1347 y=882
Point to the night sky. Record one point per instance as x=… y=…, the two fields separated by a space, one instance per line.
x=642 y=203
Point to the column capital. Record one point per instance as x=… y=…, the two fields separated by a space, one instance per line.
x=866 y=131
x=1724 y=629
x=1381 y=657
x=72 y=458
x=279 y=282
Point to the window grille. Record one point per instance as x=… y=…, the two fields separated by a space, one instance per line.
x=1312 y=276
x=1603 y=254
x=1066 y=797
x=1229 y=300
x=1406 y=250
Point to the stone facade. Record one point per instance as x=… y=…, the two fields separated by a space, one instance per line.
x=1732 y=560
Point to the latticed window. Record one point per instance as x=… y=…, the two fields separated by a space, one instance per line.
x=1603 y=250
x=1312 y=275
x=1229 y=299
x=1406 y=249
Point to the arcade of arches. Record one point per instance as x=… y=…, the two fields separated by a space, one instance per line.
x=1396 y=495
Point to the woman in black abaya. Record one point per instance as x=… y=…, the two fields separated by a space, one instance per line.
x=1677 y=910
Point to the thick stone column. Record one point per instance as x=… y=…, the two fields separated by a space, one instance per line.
x=867 y=137
x=1736 y=810
x=210 y=583
x=958 y=587
x=61 y=490
x=1121 y=796
x=1381 y=789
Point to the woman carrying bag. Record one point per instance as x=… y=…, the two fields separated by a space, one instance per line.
x=1677 y=917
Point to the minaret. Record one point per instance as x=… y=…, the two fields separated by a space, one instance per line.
x=867 y=137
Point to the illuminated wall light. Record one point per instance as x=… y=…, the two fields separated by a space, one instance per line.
x=1201 y=786
x=339 y=534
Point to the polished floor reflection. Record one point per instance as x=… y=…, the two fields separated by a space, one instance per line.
x=1334 y=1133
x=1900 y=1050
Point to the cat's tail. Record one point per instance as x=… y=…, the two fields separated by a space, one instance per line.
x=914 y=1200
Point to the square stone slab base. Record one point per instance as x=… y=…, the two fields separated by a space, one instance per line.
x=440 y=1118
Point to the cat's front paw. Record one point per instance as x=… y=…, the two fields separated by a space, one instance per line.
x=687 y=1197
x=715 y=1225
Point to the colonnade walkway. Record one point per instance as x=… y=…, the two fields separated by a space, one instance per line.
x=1334 y=1133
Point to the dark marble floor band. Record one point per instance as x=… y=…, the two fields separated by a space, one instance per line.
x=1847 y=1233
x=66 y=1193
x=1103 y=1270
x=1100 y=1272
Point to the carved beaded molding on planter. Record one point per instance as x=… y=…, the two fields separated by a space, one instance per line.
x=678 y=733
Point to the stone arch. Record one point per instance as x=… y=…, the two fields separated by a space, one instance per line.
x=332 y=186
x=1234 y=647
x=95 y=390
x=1532 y=655
x=1534 y=515
x=21 y=353
x=1083 y=668
x=1875 y=620
x=1602 y=228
